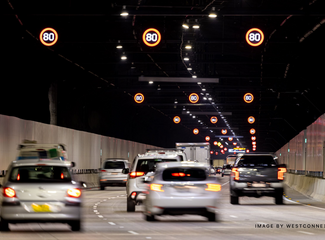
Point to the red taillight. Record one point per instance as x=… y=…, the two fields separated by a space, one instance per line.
x=280 y=173
x=213 y=187
x=74 y=192
x=62 y=176
x=9 y=192
x=18 y=177
x=136 y=174
x=181 y=174
x=156 y=187
x=235 y=173
x=103 y=170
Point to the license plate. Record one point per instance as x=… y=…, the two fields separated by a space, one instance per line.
x=258 y=185
x=114 y=173
x=41 y=208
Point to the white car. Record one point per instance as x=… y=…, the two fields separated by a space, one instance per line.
x=111 y=172
x=182 y=188
x=40 y=190
x=143 y=167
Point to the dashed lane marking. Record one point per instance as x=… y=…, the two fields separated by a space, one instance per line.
x=111 y=223
x=132 y=232
x=306 y=233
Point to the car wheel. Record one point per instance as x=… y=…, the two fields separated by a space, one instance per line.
x=278 y=198
x=212 y=217
x=4 y=225
x=130 y=205
x=234 y=200
x=102 y=187
x=75 y=225
x=150 y=218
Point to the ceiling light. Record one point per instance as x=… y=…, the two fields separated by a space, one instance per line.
x=202 y=93
x=193 y=117
x=150 y=82
x=212 y=102
x=185 y=26
x=210 y=99
x=188 y=112
x=123 y=57
x=204 y=98
x=203 y=89
x=194 y=76
x=196 y=26
x=124 y=12
x=186 y=59
x=189 y=69
x=212 y=15
x=175 y=102
x=119 y=46
x=199 y=83
x=188 y=46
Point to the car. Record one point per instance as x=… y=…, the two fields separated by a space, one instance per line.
x=226 y=170
x=257 y=175
x=179 y=152
x=143 y=167
x=111 y=172
x=218 y=170
x=182 y=188
x=40 y=190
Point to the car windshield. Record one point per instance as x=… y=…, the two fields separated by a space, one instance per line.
x=40 y=174
x=252 y=161
x=149 y=165
x=114 y=165
x=184 y=174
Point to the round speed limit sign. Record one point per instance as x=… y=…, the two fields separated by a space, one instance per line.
x=151 y=37
x=254 y=37
x=138 y=98
x=248 y=98
x=48 y=37
x=196 y=131
x=193 y=98
x=177 y=119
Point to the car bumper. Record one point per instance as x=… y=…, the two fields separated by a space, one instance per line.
x=242 y=188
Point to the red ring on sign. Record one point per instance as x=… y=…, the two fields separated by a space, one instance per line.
x=55 y=37
x=212 y=118
x=175 y=119
x=248 y=94
x=151 y=44
x=224 y=131
x=197 y=98
x=251 y=119
x=138 y=101
x=254 y=44
x=207 y=138
x=252 y=131
x=196 y=131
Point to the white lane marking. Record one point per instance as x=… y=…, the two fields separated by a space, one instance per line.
x=111 y=223
x=121 y=227
x=97 y=213
x=148 y=237
x=100 y=216
x=105 y=199
x=307 y=233
x=304 y=204
x=233 y=216
x=225 y=183
x=95 y=210
x=132 y=232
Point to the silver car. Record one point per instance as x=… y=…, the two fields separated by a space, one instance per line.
x=182 y=188
x=40 y=191
x=111 y=172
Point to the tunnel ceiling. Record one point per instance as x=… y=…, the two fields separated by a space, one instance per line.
x=96 y=88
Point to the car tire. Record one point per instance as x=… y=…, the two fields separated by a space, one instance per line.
x=4 y=225
x=212 y=217
x=278 y=198
x=130 y=205
x=234 y=199
x=102 y=187
x=150 y=218
x=75 y=225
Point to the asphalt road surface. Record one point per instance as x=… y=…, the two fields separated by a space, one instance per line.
x=105 y=217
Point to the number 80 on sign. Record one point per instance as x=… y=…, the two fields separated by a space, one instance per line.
x=138 y=98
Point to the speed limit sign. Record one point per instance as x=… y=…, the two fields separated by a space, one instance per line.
x=48 y=37
x=138 y=98
x=254 y=37
x=193 y=98
x=151 y=37
x=248 y=97
x=196 y=131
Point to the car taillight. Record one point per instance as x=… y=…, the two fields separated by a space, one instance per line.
x=136 y=174
x=213 y=187
x=156 y=187
x=9 y=192
x=74 y=192
x=235 y=173
x=103 y=170
x=280 y=173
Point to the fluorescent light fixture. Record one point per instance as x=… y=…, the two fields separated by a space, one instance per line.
x=175 y=101
x=194 y=76
x=123 y=57
x=212 y=15
x=185 y=26
x=204 y=98
x=119 y=46
x=150 y=82
x=186 y=59
x=199 y=83
x=196 y=26
x=190 y=114
x=210 y=99
x=187 y=111
x=203 y=89
x=189 y=69
x=193 y=117
x=188 y=46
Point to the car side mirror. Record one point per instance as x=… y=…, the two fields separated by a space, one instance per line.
x=73 y=164
x=125 y=171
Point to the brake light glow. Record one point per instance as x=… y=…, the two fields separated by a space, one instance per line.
x=213 y=187
x=181 y=174
x=136 y=174
x=62 y=176
x=156 y=187
x=18 y=177
x=103 y=170
x=9 y=192
x=280 y=173
x=235 y=173
x=74 y=192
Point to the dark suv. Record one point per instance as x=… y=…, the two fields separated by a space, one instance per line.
x=257 y=175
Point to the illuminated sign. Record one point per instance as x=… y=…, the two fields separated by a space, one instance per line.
x=251 y=119
x=254 y=143
x=151 y=37
x=254 y=37
x=211 y=152
x=216 y=153
x=224 y=131
x=177 y=119
x=247 y=151
x=48 y=37
x=225 y=149
x=237 y=150
x=252 y=131
x=196 y=131
x=234 y=143
x=213 y=119
x=207 y=138
x=138 y=98
x=230 y=138
x=215 y=143
x=193 y=98
x=248 y=98
x=253 y=138
x=221 y=146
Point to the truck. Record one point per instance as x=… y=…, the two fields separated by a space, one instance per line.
x=231 y=159
x=199 y=152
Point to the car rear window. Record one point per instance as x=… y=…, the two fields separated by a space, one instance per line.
x=252 y=161
x=184 y=174
x=114 y=165
x=149 y=165
x=40 y=174
x=38 y=154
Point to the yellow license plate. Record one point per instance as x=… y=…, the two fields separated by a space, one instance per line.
x=41 y=208
x=114 y=173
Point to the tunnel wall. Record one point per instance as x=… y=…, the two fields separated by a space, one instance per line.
x=85 y=149
x=304 y=153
